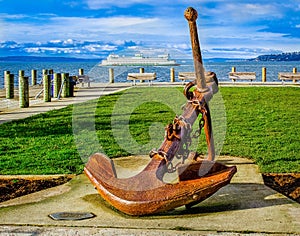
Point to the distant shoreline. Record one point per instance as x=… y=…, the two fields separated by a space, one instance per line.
x=292 y=56
x=284 y=57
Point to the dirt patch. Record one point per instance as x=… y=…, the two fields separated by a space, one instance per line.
x=287 y=184
x=12 y=187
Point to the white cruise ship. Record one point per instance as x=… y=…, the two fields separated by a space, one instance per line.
x=138 y=60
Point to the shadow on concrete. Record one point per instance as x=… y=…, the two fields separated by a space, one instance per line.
x=234 y=197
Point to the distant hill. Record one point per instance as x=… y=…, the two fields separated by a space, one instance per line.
x=290 y=56
x=223 y=59
x=45 y=59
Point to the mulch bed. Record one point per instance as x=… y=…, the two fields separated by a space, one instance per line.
x=15 y=187
x=287 y=184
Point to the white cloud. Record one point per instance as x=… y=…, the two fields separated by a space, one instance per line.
x=106 y=4
x=82 y=28
x=69 y=41
x=98 y=47
x=237 y=13
x=111 y=25
x=100 y=4
x=55 y=41
x=232 y=24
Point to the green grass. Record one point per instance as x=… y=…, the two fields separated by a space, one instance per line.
x=262 y=124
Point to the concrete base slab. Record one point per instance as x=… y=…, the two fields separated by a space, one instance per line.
x=244 y=206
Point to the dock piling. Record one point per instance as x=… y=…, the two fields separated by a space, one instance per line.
x=47 y=88
x=264 y=74
x=56 y=84
x=23 y=91
x=142 y=70
x=66 y=85
x=172 y=75
x=33 y=77
x=21 y=73
x=111 y=75
x=9 y=89
x=5 y=73
x=295 y=70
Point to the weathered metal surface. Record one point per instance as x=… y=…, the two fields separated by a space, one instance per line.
x=146 y=193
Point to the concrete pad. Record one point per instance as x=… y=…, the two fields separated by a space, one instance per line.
x=244 y=206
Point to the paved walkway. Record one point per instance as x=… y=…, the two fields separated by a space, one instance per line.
x=245 y=207
x=11 y=111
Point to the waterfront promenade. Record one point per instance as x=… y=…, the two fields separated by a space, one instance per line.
x=9 y=108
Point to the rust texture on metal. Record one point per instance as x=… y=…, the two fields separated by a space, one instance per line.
x=147 y=193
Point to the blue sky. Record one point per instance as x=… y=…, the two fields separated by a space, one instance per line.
x=95 y=28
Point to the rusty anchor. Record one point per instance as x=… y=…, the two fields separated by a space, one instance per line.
x=146 y=193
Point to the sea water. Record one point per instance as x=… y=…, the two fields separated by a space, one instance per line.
x=101 y=73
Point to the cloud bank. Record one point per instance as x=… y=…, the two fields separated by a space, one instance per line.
x=95 y=28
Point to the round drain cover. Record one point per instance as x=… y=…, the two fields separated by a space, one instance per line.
x=71 y=215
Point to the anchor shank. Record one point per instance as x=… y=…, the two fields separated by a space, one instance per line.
x=191 y=15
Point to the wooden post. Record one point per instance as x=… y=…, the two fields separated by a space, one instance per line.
x=264 y=74
x=5 y=73
x=142 y=70
x=172 y=75
x=81 y=72
x=47 y=88
x=51 y=72
x=33 y=77
x=295 y=70
x=70 y=91
x=9 y=81
x=233 y=69
x=23 y=91
x=44 y=72
x=111 y=75
x=66 y=83
x=21 y=73
x=56 y=84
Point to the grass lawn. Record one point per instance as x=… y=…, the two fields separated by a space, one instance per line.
x=261 y=123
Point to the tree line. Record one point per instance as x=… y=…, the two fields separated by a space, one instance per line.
x=289 y=56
